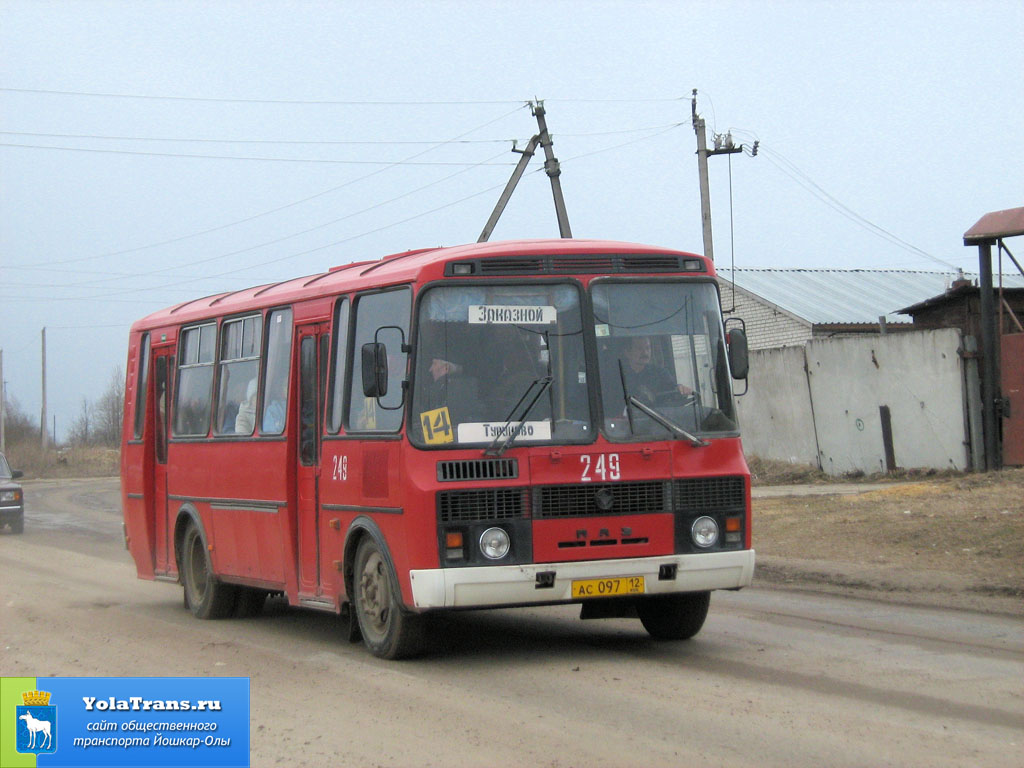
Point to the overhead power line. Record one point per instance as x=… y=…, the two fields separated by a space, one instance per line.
x=235 y=100
x=809 y=184
x=243 y=157
x=336 y=102
x=277 y=209
x=275 y=241
x=195 y=140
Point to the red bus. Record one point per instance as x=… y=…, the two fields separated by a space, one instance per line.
x=488 y=425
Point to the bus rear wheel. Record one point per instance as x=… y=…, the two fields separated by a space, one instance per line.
x=674 y=617
x=206 y=597
x=388 y=631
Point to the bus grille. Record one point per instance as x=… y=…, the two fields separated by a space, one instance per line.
x=486 y=504
x=709 y=494
x=477 y=469
x=585 y=264
x=553 y=501
x=511 y=266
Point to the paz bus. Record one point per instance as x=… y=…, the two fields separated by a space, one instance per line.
x=481 y=426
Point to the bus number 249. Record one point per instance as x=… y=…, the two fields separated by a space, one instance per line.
x=605 y=468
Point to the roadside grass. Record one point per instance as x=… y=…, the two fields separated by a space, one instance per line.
x=91 y=461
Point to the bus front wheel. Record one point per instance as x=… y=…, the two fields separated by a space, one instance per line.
x=674 y=617
x=388 y=631
x=206 y=597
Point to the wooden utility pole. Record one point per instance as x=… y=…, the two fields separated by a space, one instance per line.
x=551 y=168
x=43 y=429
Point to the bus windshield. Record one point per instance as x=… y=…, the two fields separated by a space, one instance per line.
x=485 y=354
x=661 y=344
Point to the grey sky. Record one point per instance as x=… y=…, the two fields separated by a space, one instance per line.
x=909 y=114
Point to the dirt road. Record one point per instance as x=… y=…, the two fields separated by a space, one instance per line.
x=775 y=678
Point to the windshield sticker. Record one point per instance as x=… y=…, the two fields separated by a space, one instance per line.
x=482 y=432
x=508 y=314
x=601 y=329
x=437 y=426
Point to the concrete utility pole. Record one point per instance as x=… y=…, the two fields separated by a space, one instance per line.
x=43 y=429
x=702 y=170
x=723 y=146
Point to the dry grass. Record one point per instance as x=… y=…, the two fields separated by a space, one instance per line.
x=66 y=462
x=969 y=526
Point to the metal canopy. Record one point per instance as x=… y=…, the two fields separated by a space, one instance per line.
x=996 y=225
x=991 y=229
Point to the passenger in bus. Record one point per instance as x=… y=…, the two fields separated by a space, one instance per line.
x=449 y=386
x=245 y=421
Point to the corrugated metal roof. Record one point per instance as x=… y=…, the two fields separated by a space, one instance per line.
x=837 y=296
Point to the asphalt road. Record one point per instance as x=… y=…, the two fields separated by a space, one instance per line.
x=775 y=678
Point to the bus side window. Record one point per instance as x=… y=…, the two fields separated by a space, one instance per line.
x=388 y=313
x=160 y=393
x=195 y=381
x=337 y=398
x=278 y=359
x=142 y=382
x=239 y=374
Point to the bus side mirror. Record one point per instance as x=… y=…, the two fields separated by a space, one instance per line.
x=375 y=369
x=739 y=358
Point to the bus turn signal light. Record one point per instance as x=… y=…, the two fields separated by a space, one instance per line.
x=733 y=524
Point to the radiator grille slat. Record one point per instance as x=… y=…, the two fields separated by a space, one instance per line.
x=554 y=501
x=482 y=504
x=709 y=494
x=477 y=469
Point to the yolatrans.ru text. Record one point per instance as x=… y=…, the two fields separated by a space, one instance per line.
x=137 y=703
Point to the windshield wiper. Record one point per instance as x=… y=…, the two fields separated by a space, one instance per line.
x=541 y=386
x=666 y=422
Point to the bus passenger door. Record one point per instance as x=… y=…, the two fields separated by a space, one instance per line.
x=313 y=342
x=163 y=363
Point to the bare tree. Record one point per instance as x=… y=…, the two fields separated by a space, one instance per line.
x=80 y=433
x=19 y=427
x=109 y=411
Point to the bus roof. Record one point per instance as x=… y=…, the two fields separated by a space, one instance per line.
x=396 y=268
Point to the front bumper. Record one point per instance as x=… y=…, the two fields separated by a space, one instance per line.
x=11 y=514
x=494 y=586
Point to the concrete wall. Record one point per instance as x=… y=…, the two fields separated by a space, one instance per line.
x=776 y=415
x=918 y=375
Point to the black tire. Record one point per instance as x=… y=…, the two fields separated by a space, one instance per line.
x=249 y=602
x=18 y=526
x=674 y=617
x=206 y=597
x=388 y=630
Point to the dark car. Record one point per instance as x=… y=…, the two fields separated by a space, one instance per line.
x=12 y=498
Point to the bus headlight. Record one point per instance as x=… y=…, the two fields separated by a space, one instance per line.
x=704 y=532
x=495 y=543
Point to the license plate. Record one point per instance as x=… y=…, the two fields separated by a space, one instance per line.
x=619 y=585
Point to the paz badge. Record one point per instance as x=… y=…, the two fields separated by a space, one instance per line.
x=36 y=732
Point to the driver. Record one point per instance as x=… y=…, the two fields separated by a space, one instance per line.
x=646 y=381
